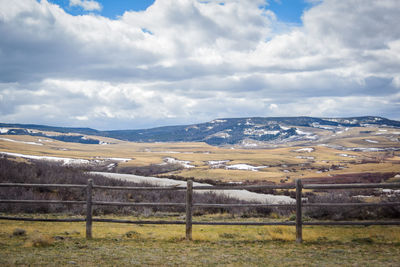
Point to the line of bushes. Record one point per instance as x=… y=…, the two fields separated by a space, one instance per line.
x=152 y=169
x=352 y=213
x=40 y=172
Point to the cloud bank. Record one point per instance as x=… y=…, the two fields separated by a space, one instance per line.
x=188 y=61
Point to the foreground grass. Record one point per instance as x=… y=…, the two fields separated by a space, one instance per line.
x=57 y=244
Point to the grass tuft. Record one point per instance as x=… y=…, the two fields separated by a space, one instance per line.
x=132 y=234
x=39 y=240
x=19 y=232
x=281 y=233
x=227 y=235
x=363 y=240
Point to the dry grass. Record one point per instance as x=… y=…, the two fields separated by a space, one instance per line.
x=38 y=239
x=45 y=232
x=143 y=154
x=59 y=244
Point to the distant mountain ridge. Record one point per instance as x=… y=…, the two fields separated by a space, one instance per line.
x=222 y=131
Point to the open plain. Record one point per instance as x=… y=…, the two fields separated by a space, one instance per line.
x=359 y=155
x=357 y=150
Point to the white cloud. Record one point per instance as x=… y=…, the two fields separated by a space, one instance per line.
x=396 y=82
x=273 y=106
x=88 y=5
x=183 y=61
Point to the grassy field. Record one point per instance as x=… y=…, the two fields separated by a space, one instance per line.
x=284 y=163
x=55 y=244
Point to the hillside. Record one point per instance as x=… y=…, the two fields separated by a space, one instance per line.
x=276 y=150
x=245 y=130
x=248 y=132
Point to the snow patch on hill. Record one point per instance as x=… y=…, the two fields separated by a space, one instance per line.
x=184 y=163
x=22 y=142
x=220 y=135
x=317 y=125
x=259 y=132
x=347 y=155
x=244 y=167
x=214 y=164
x=217 y=121
x=305 y=149
x=305 y=157
x=65 y=161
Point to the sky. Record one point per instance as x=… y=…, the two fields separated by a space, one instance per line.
x=119 y=64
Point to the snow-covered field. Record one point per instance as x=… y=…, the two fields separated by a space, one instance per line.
x=214 y=164
x=22 y=142
x=242 y=166
x=65 y=161
x=385 y=132
x=217 y=162
x=304 y=157
x=259 y=132
x=305 y=149
x=184 y=163
x=347 y=155
x=246 y=167
x=45 y=140
x=371 y=141
x=238 y=194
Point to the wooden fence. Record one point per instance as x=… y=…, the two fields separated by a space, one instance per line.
x=189 y=205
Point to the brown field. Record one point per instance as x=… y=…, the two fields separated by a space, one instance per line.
x=284 y=163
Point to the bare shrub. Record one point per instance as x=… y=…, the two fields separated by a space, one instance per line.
x=349 y=213
x=19 y=232
x=152 y=169
x=350 y=178
x=50 y=173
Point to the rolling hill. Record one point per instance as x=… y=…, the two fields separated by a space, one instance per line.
x=248 y=132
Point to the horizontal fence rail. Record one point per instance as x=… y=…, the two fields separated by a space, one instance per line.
x=43 y=201
x=41 y=219
x=190 y=206
x=139 y=188
x=139 y=204
x=351 y=186
x=244 y=187
x=43 y=185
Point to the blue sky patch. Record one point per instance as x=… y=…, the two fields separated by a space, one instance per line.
x=286 y=10
x=110 y=8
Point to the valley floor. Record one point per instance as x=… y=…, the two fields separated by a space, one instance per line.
x=357 y=150
x=59 y=244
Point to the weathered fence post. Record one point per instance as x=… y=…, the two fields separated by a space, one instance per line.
x=189 y=205
x=89 y=209
x=299 y=222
